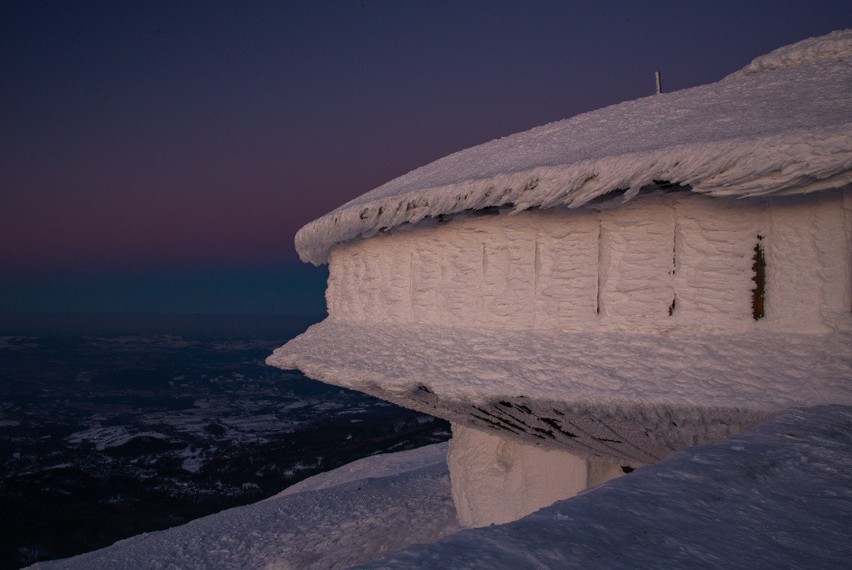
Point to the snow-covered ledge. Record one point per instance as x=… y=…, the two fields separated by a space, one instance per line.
x=624 y=397
x=526 y=403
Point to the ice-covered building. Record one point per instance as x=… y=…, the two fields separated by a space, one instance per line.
x=600 y=291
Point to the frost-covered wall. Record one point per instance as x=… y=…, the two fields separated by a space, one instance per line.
x=676 y=261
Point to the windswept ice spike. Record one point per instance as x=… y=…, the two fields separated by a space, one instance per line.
x=657 y=274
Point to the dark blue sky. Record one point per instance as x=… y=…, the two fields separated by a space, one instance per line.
x=151 y=149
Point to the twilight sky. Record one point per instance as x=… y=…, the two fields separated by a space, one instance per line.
x=159 y=156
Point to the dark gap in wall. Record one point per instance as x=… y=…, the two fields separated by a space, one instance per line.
x=673 y=306
x=486 y=211
x=598 y=291
x=536 y=270
x=665 y=186
x=608 y=196
x=656 y=187
x=758 y=293
x=558 y=426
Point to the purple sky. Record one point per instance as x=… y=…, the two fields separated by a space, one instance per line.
x=156 y=137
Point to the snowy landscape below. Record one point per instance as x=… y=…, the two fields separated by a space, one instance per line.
x=106 y=436
x=779 y=495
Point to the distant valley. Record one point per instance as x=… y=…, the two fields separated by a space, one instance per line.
x=104 y=437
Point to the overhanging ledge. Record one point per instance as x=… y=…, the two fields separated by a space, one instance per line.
x=623 y=396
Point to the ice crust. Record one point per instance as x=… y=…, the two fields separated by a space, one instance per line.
x=782 y=125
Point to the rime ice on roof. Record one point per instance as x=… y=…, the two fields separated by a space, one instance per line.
x=781 y=125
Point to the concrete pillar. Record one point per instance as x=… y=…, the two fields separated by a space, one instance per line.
x=496 y=480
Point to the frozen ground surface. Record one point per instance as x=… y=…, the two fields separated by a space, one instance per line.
x=334 y=520
x=777 y=496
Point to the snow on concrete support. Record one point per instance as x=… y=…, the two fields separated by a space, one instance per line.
x=367 y=284
x=713 y=280
x=394 y=284
x=566 y=269
x=508 y=264
x=496 y=480
x=657 y=263
x=636 y=242
x=461 y=274
x=342 y=296
x=833 y=240
x=794 y=284
x=599 y=472
x=426 y=272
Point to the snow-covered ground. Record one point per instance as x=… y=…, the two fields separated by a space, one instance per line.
x=779 y=495
x=334 y=520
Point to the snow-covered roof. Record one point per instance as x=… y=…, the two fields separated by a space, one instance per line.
x=781 y=125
